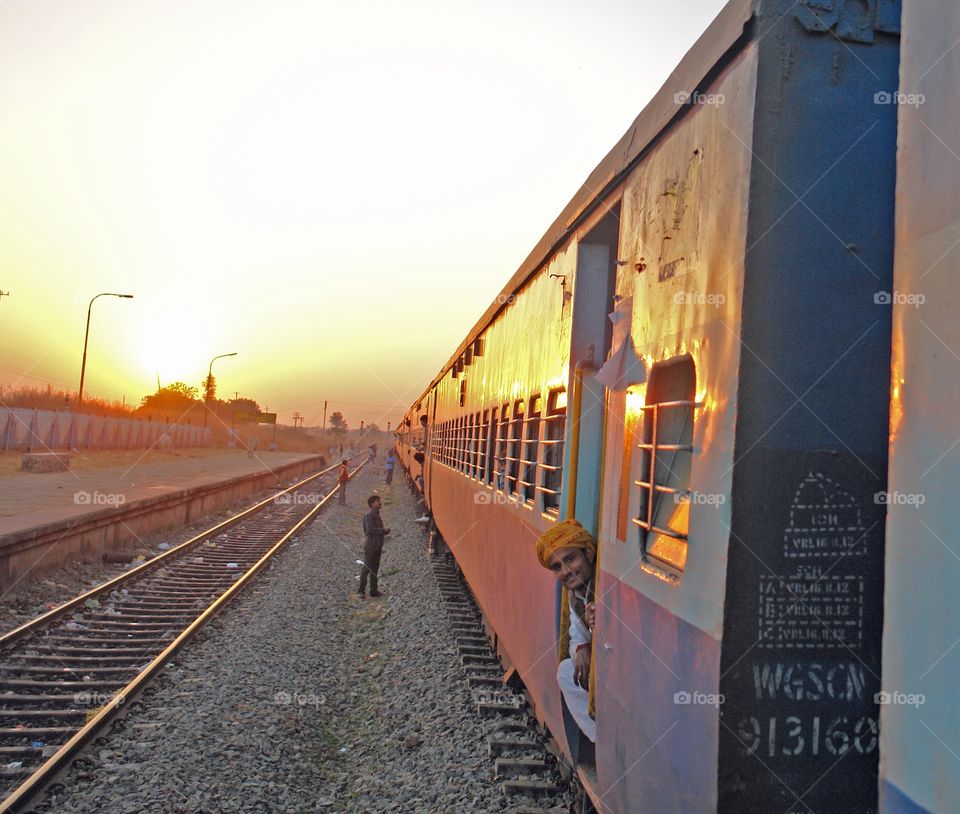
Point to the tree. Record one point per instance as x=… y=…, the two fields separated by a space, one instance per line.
x=244 y=405
x=210 y=388
x=338 y=424
x=174 y=397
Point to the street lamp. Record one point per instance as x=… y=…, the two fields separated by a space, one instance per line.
x=86 y=337
x=206 y=395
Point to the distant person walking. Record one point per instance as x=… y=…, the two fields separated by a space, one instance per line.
x=389 y=465
x=252 y=446
x=343 y=475
x=374 y=532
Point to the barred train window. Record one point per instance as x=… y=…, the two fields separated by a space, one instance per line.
x=551 y=478
x=483 y=432
x=513 y=447
x=528 y=456
x=473 y=464
x=491 y=461
x=470 y=450
x=665 y=461
x=500 y=454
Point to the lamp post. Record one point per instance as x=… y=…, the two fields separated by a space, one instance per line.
x=206 y=395
x=86 y=337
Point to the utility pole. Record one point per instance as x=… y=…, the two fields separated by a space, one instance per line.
x=324 y=416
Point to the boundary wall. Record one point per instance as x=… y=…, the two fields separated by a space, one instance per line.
x=29 y=430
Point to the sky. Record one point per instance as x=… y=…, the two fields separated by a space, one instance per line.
x=334 y=192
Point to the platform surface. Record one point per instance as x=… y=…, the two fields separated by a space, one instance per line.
x=28 y=499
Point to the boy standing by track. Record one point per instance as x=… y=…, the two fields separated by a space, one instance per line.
x=372 y=548
x=343 y=475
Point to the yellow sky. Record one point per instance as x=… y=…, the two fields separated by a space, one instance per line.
x=335 y=192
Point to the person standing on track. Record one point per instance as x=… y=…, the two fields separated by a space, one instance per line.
x=343 y=475
x=374 y=532
x=389 y=465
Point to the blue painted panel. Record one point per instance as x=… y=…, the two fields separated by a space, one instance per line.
x=804 y=601
x=894 y=801
x=657 y=734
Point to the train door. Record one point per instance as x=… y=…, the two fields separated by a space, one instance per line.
x=591 y=333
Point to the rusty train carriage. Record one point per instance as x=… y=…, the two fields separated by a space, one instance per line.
x=740 y=619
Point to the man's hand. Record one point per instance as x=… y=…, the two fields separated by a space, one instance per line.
x=386 y=532
x=581 y=666
x=590 y=615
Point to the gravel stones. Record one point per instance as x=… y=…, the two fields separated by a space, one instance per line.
x=302 y=697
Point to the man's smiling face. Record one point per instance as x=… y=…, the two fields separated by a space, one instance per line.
x=573 y=566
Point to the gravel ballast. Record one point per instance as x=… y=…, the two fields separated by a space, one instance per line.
x=301 y=697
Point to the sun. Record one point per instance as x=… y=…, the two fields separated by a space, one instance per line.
x=173 y=344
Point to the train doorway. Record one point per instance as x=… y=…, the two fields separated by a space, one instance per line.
x=594 y=286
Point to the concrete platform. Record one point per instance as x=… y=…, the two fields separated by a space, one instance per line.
x=82 y=514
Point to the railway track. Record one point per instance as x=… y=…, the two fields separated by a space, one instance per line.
x=526 y=762
x=65 y=674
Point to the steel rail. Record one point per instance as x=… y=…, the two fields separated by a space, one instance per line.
x=18 y=633
x=45 y=773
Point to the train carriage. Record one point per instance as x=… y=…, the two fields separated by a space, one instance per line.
x=695 y=363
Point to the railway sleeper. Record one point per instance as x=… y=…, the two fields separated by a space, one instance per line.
x=478 y=682
x=474 y=659
x=496 y=746
x=532 y=788
x=510 y=767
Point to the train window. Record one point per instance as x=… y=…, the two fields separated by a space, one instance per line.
x=482 y=441
x=473 y=464
x=665 y=462
x=491 y=461
x=551 y=470
x=462 y=443
x=500 y=451
x=528 y=455
x=463 y=392
x=512 y=458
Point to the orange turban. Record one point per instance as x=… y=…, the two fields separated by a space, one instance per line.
x=568 y=534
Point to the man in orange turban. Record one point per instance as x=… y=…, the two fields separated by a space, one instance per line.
x=568 y=550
